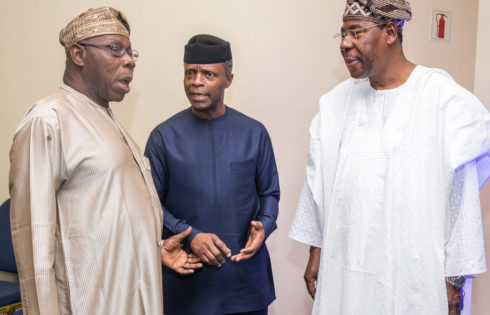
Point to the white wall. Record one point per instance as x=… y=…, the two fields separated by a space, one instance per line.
x=284 y=59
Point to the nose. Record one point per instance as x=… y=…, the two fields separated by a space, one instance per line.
x=129 y=61
x=198 y=79
x=345 y=43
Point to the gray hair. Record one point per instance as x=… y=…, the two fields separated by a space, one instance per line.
x=228 y=66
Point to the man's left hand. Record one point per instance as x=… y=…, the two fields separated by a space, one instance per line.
x=257 y=237
x=454 y=299
x=175 y=258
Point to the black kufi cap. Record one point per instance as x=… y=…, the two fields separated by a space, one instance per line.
x=205 y=49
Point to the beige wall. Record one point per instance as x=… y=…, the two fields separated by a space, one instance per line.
x=284 y=56
x=481 y=285
x=482 y=73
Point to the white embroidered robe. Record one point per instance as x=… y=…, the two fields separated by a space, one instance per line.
x=381 y=197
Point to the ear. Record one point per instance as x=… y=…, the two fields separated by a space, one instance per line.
x=391 y=31
x=77 y=54
x=229 y=79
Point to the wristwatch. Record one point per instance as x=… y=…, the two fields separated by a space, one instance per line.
x=456 y=281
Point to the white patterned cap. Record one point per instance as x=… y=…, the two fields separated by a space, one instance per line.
x=378 y=11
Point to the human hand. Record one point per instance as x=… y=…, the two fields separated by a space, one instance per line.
x=175 y=258
x=455 y=299
x=257 y=237
x=311 y=272
x=209 y=248
x=193 y=262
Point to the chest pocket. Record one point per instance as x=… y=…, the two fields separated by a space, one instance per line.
x=242 y=179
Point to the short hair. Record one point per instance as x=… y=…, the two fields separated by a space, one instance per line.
x=228 y=66
x=400 y=35
x=398 y=31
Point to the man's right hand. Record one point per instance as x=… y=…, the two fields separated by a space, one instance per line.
x=210 y=249
x=311 y=272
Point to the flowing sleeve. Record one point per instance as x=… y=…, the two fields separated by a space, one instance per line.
x=37 y=171
x=267 y=184
x=306 y=226
x=464 y=248
x=467 y=130
x=155 y=152
x=467 y=144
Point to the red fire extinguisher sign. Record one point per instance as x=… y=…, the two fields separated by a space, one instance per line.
x=441 y=25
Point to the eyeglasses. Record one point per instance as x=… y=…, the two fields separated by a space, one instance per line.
x=354 y=33
x=116 y=50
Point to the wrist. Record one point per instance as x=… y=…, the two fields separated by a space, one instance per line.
x=456 y=281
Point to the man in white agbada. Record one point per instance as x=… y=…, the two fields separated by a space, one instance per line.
x=397 y=155
x=85 y=216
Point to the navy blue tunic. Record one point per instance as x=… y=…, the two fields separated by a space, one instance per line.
x=216 y=175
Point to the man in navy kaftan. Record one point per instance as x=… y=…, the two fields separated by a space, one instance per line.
x=214 y=170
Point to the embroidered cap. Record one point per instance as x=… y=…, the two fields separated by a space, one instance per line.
x=94 y=22
x=378 y=11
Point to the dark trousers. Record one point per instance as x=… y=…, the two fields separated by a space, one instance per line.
x=259 y=312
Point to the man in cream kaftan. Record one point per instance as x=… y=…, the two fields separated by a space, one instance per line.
x=380 y=175
x=390 y=206
x=85 y=217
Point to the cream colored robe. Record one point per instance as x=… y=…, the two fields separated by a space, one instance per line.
x=391 y=194
x=85 y=215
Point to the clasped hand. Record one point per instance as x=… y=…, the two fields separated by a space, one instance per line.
x=212 y=250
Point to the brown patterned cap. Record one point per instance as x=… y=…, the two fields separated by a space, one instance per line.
x=94 y=22
x=377 y=10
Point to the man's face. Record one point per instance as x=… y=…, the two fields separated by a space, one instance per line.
x=362 y=55
x=205 y=85
x=108 y=76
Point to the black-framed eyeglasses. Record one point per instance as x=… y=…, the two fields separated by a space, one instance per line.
x=116 y=50
x=354 y=33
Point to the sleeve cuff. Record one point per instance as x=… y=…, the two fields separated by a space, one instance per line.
x=194 y=232
x=268 y=224
x=183 y=227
